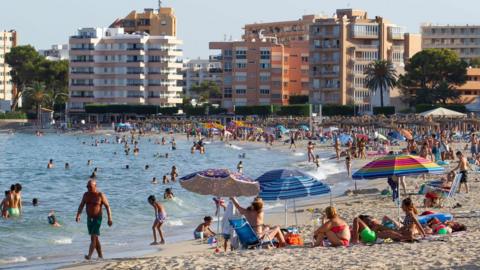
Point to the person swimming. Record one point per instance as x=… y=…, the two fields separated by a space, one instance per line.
x=168 y=195
x=50 y=164
x=67 y=166
x=4 y=204
x=15 y=200
x=52 y=219
x=154 y=180
x=35 y=202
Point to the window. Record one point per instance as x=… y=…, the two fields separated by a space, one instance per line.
x=241 y=91
x=264 y=77
x=227 y=53
x=163 y=23
x=241 y=65
x=241 y=54
x=240 y=77
x=264 y=91
x=264 y=54
x=265 y=65
x=227 y=92
x=227 y=79
x=227 y=66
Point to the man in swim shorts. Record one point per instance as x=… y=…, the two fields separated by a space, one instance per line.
x=94 y=200
x=462 y=166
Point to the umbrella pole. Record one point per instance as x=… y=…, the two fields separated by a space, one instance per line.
x=398 y=198
x=286 y=223
x=295 y=210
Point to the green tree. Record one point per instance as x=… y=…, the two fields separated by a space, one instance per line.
x=25 y=62
x=38 y=95
x=432 y=75
x=381 y=76
x=475 y=62
x=207 y=90
x=55 y=77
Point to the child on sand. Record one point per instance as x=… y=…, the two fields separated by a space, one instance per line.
x=203 y=230
x=160 y=217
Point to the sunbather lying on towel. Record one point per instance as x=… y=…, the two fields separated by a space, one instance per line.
x=367 y=229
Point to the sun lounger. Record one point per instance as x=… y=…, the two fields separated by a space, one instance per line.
x=246 y=235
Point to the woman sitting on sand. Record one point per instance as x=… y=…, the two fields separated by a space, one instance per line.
x=335 y=229
x=411 y=227
x=254 y=215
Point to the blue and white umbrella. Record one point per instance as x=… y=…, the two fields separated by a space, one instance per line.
x=289 y=185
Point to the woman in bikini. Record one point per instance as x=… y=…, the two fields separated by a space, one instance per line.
x=254 y=215
x=335 y=229
x=411 y=227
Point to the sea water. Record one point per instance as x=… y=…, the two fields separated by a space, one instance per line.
x=30 y=241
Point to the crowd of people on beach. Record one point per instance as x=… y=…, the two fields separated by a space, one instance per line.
x=362 y=143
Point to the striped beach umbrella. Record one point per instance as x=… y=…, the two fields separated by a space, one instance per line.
x=398 y=165
x=289 y=185
x=220 y=183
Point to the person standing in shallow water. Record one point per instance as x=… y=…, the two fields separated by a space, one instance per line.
x=94 y=200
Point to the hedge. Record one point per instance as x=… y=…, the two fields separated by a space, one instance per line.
x=298 y=99
x=294 y=110
x=387 y=110
x=262 y=110
x=13 y=115
x=137 y=109
x=334 y=110
x=419 y=108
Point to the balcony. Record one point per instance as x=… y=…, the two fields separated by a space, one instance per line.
x=82 y=60
x=82 y=84
x=83 y=49
x=365 y=47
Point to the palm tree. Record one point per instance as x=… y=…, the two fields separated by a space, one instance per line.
x=37 y=93
x=381 y=75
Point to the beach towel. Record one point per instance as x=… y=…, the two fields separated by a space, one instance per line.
x=227 y=229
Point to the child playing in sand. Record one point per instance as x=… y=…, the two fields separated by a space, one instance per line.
x=160 y=217
x=203 y=230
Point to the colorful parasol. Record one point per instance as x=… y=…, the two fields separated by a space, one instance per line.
x=399 y=165
x=220 y=183
x=405 y=133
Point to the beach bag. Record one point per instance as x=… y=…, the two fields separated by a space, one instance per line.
x=294 y=239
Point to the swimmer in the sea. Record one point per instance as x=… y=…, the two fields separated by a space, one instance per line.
x=52 y=219
x=50 y=164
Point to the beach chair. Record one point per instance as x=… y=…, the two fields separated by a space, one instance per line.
x=448 y=199
x=246 y=235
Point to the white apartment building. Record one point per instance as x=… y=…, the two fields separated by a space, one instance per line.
x=56 y=52
x=108 y=66
x=199 y=70
x=8 y=39
x=463 y=39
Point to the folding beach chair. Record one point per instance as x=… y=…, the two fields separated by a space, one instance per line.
x=246 y=235
x=448 y=200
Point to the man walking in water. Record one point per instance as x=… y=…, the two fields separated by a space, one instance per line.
x=94 y=200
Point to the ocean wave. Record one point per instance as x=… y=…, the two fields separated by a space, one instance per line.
x=16 y=259
x=234 y=146
x=298 y=154
x=175 y=222
x=63 y=241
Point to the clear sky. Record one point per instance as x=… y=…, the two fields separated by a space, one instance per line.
x=45 y=22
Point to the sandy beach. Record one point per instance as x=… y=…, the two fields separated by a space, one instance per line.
x=452 y=251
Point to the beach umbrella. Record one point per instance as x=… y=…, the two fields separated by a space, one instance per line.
x=282 y=129
x=380 y=136
x=286 y=185
x=220 y=183
x=304 y=127
x=396 y=136
x=362 y=136
x=397 y=165
x=344 y=138
x=405 y=133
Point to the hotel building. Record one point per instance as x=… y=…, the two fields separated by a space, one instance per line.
x=284 y=32
x=463 y=39
x=196 y=71
x=8 y=39
x=341 y=47
x=261 y=71
x=160 y=22
x=109 y=66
